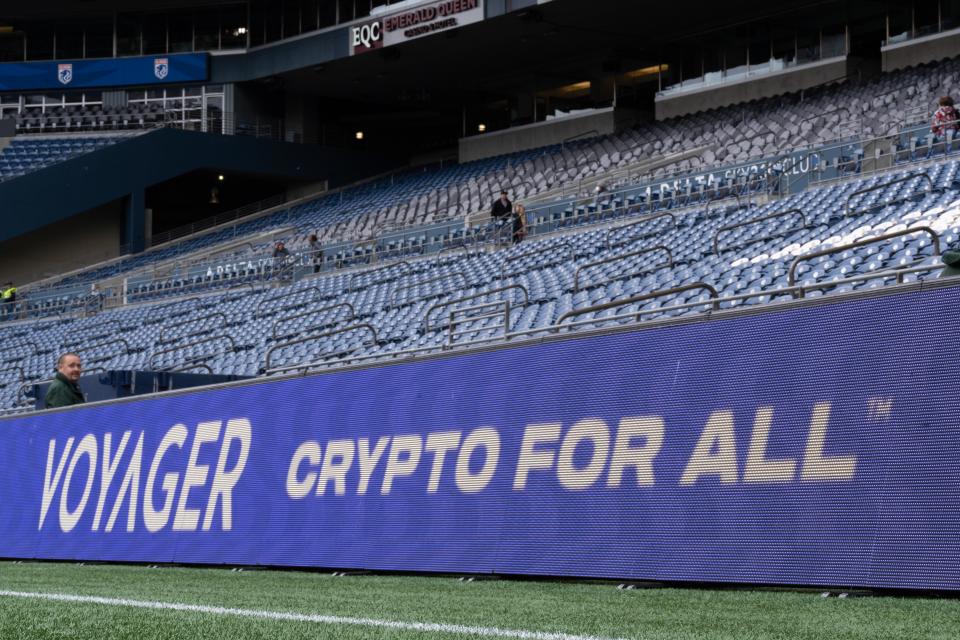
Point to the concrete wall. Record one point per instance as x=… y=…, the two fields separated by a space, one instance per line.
x=85 y=239
x=921 y=50
x=541 y=134
x=766 y=86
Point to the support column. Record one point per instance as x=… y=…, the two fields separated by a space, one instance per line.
x=135 y=223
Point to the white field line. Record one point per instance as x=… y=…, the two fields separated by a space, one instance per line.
x=425 y=627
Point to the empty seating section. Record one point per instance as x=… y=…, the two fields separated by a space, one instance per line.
x=24 y=155
x=711 y=254
x=736 y=134
x=457 y=298
x=90 y=118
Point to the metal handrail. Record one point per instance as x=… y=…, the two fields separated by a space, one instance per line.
x=153 y=313
x=452 y=274
x=791 y=274
x=535 y=252
x=647 y=218
x=377 y=270
x=623 y=256
x=706 y=213
x=592 y=133
x=353 y=314
x=186 y=322
x=910 y=176
x=69 y=342
x=646 y=296
x=13 y=368
x=441 y=305
x=730 y=227
x=195 y=365
x=495 y=306
x=23 y=344
x=363 y=325
x=288 y=294
x=181 y=347
x=123 y=341
x=394 y=355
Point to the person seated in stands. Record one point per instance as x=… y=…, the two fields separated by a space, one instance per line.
x=519 y=223
x=64 y=390
x=316 y=252
x=502 y=207
x=280 y=250
x=945 y=118
x=951 y=258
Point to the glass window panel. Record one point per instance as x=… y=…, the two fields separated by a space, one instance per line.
x=207 y=29
x=274 y=18
x=181 y=31
x=154 y=33
x=926 y=16
x=949 y=14
x=69 y=42
x=11 y=47
x=346 y=10
x=328 y=13
x=808 y=46
x=834 y=42
x=309 y=10
x=900 y=20
x=291 y=18
x=233 y=27
x=98 y=39
x=258 y=22
x=128 y=35
x=40 y=41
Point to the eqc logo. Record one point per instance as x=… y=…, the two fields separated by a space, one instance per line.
x=366 y=37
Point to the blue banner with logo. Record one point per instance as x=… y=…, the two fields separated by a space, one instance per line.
x=104 y=72
x=813 y=445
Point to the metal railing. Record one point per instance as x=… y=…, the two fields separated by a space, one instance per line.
x=233 y=348
x=93 y=347
x=624 y=256
x=370 y=272
x=730 y=227
x=217 y=314
x=646 y=219
x=320 y=296
x=448 y=276
x=792 y=272
x=695 y=286
x=346 y=305
x=26 y=343
x=71 y=340
x=889 y=183
x=363 y=325
x=496 y=309
x=22 y=377
x=537 y=252
x=482 y=294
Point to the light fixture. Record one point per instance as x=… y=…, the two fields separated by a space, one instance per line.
x=481 y=127
x=220 y=177
x=359 y=135
x=240 y=31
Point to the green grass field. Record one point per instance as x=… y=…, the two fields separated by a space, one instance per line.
x=217 y=603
